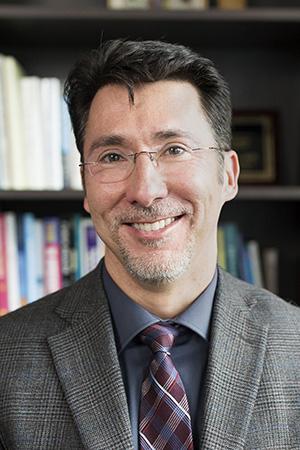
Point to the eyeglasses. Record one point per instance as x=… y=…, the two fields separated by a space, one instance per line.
x=113 y=165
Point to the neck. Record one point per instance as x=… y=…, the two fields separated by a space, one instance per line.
x=166 y=300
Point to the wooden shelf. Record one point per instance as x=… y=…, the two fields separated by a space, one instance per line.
x=270 y=193
x=267 y=27
x=246 y=193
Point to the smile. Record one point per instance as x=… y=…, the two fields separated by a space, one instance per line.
x=154 y=225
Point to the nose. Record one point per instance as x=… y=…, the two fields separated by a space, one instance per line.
x=145 y=184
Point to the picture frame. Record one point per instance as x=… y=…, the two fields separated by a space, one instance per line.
x=254 y=137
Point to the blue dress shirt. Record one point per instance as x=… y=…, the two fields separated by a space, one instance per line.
x=189 y=352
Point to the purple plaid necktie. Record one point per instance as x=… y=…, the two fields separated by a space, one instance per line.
x=165 y=422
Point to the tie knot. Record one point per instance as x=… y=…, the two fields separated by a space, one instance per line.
x=159 y=336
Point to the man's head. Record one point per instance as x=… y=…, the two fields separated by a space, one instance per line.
x=133 y=101
x=133 y=63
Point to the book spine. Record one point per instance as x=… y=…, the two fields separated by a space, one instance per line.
x=185 y=4
x=31 y=256
x=70 y=154
x=232 y=4
x=232 y=243
x=52 y=255
x=35 y=164
x=3 y=268
x=270 y=258
x=255 y=261
x=4 y=181
x=221 y=247
x=13 y=278
x=67 y=250
x=51 y=113
x=39 y=264
x=11 y=75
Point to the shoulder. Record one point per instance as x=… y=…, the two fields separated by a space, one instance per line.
x=53 y=312
x=263 y=304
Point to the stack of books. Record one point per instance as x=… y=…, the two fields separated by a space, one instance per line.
x=37 y=146
x=41 y=255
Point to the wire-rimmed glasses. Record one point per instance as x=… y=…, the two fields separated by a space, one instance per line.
x=113 y=165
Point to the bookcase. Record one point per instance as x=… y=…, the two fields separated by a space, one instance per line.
x=257 y=50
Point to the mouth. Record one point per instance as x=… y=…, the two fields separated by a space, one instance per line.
x=154 y=226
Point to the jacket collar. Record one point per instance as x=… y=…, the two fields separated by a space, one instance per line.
x=87 y=365
x=235 y=363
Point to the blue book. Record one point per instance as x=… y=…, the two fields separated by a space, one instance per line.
x=29 y=237
x=231 y=234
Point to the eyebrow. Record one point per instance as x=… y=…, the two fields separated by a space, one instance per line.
x=172 y=133
x=107 y=141
x=116 y=139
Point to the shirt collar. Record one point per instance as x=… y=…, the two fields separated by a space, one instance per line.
x=129 y=318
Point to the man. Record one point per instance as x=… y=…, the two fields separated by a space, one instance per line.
x=152 y=124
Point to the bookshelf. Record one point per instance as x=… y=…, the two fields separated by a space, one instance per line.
x=257 y=51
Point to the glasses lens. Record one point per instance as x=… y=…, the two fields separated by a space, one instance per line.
x=110 y=173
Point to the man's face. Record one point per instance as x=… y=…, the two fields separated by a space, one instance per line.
x=156 y=225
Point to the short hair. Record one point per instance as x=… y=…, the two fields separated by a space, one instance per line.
x=133 y=63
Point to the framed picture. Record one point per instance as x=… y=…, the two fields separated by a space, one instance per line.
x=254 y=139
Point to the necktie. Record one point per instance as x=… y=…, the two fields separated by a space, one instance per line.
x=165 y=422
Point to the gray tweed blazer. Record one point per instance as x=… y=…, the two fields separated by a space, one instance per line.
x=61 y=386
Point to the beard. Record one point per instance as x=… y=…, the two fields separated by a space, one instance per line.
x=154 y=267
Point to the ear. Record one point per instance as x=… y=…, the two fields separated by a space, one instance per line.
x=231 y=175
x=86 y=205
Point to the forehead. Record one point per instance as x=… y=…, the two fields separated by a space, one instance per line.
x=157 y=106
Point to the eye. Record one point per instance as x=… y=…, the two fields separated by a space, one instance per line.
x=175 y=150
x=110 y=157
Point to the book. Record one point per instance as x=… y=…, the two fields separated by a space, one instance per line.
x=31 y=256
x=232 y=244
x=185 y=4
x=11 y=73
x=67 y=251
x=128 y=4
x=232 y=4
x=52 y=255
x=3 y=268
x=244 y=263
x=221 y=247
x=70 y=154
x=51 y=116
x=13 y=278
x=4 y=181
x=35 y=167
x=255 y=262
x=270 y=259
x=39 y=262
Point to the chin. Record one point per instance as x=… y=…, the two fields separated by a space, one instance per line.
x=157 y=269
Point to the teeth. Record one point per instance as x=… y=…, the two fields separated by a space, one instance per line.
x=153 y=226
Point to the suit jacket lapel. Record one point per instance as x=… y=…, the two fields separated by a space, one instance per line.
x=237 y=350
x=87 y=365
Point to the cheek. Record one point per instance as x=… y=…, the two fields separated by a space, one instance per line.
x=101 y=200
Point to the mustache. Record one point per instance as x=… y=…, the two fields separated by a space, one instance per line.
x=168 y=208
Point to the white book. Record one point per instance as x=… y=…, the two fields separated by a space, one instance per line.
x=185 y=4
x=13 y=119
x=4 y=182
x=71 y=156
x=52 y=148
x=73 y=164
x=83 y=244
x=35 y=163
x=13 y=276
